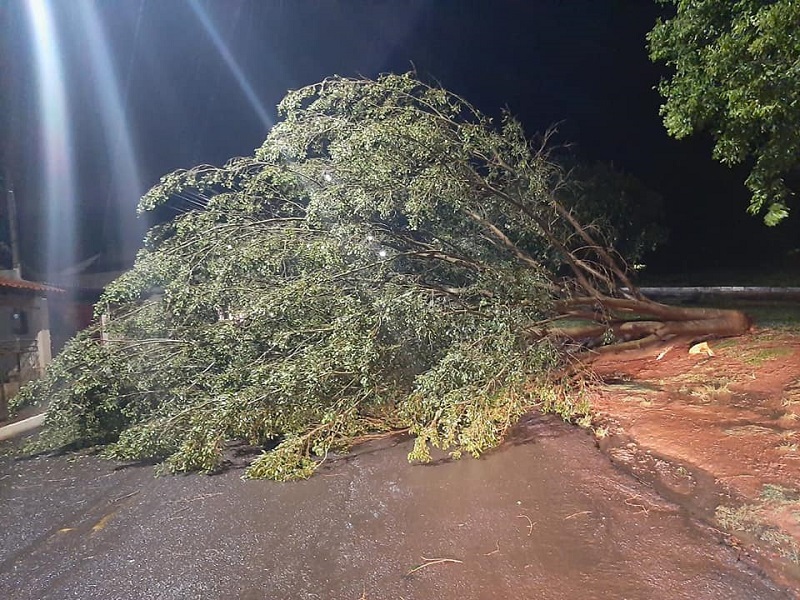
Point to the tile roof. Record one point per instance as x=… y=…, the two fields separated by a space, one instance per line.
x=28 y=286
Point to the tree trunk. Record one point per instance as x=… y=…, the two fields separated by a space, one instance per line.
x=616 y=324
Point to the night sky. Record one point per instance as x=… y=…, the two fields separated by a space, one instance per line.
x=581 y=63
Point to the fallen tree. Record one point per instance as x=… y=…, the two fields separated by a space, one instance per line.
x=388 y=259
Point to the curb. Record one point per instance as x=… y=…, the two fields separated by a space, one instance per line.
x=20 y=427
x=739 y=292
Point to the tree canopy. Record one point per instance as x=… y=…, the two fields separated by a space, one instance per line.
x=736 y=75
x=389 y=259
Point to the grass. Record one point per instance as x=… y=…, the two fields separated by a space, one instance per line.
x=726 y=343
x=601 y=432
x=749 y=430
x=707 y=391
x=783 y=317
x=750 y=519
x=703 y=384
x=792 y=397
x=789 y=444
x=780 y=277
x=777 y=493
x=759 y=356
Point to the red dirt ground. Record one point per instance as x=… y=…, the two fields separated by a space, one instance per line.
x=719 y=434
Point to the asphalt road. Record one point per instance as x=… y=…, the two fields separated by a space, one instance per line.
x=547 y=516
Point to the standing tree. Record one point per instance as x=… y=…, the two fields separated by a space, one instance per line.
x=624 y=213
x=737 y=75
x=389 y=258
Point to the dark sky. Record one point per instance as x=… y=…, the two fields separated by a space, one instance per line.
x=582 y=63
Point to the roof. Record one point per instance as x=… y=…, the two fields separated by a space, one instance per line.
x=27 y=286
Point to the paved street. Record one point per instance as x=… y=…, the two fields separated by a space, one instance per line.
x=545 y=517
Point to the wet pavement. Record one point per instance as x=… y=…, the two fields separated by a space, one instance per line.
x=546 y=516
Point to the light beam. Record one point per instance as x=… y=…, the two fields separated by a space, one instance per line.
x=125 y=187
x=56 y=141
x=233 y=65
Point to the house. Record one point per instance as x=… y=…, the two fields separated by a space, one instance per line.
x=83 y=284
x=25 y=346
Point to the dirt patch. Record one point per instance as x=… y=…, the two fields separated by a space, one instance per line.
x=720 y=434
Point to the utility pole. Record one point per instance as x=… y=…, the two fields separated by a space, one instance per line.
x=13 y=227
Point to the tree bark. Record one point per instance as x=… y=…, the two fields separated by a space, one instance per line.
x=617 y=324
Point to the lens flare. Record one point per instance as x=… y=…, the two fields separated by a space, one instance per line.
x=230 y=61
x=55 y=136
x=126 y=183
